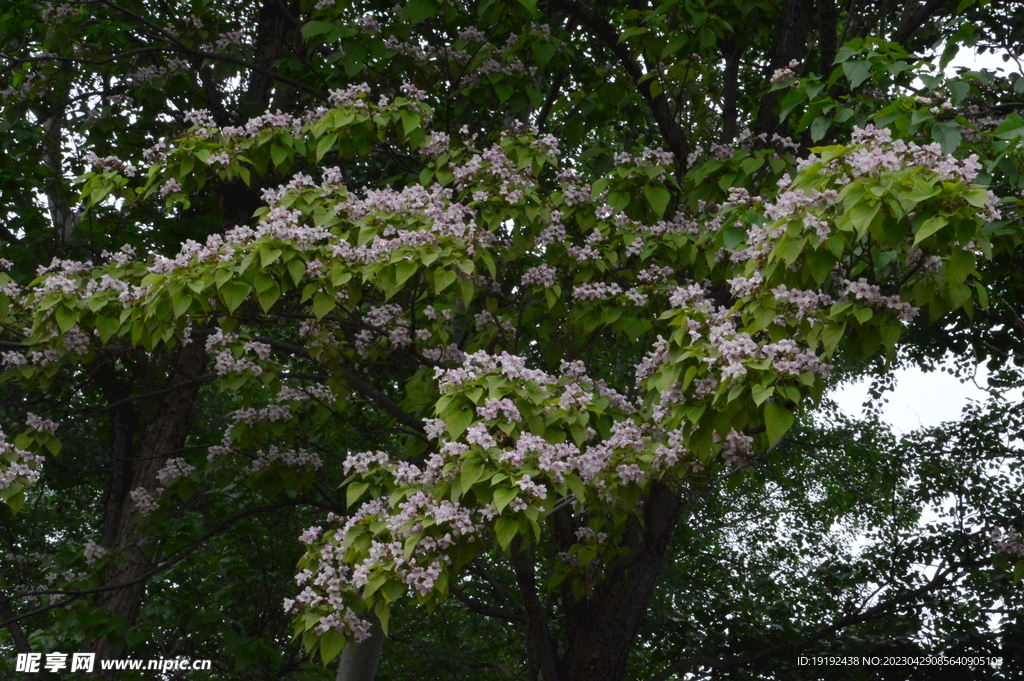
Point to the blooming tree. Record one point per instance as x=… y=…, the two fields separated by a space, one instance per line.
x=568 y=340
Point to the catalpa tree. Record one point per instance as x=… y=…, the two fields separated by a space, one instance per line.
x=486 y=351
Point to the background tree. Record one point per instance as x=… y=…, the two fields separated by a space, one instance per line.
x=567 y=183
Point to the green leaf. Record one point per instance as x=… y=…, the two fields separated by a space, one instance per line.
x=862 y=215
x=323 y=303
x=458 y=420
x=269 y=255
x=107 y=326
x=466 y=289
x=503 y=90
x=958 y=90
x=1012 y=126
x=890 y=333
x=471 y=473
x=844 y=54
x=658 y=198
x=417 y=11
x=383 y=612
x=354 y=491
x=324 y=145
x=233 y=294
x=502 y=497
x=947 y=134
x=66 y=318
x=268 y=297
x=856 y=72
x=404 y=270
x=280 y=154
x=831 y=336
x=819 y=127
x=542 y=52
x=506 y=529
x=977 y=197
x=443 y=279
x=751 y=165
x=777 y=420
x=181 y=301
x=929 y=227
x=315 y=28
x=958 y=267
x=331 y=645
x=297 y=270
x=761 y=393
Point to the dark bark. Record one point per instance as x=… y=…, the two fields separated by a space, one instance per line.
x=275 y=19
x=790 y=43
x=607 y=623
x=541 y=647
x=123 y=424
x=163 y=432
x=62 y=214
x=732 y=51
x=828 y=15
x=13 y=627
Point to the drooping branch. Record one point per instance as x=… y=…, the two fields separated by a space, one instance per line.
x=487 y=610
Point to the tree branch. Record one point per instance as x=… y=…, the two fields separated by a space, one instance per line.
x=368 y=390
x=912 y=20
x=669 y=129
x=181 y=555
x=17 y=634
x=270 y=73
x=486 y=610
x=937 y=582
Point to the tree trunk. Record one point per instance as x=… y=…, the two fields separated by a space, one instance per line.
x=273 y=25
x=790 y=43
x=732 y=51
x=163 y=433
x=602 y=628
x=359 y=661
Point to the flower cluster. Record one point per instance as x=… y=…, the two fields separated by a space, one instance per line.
x=879 y=152
x=93 y=552
x=144 y=501
x=172 y=470
x=542 y=275
x=23 y=467
x=1007 y=541
x=40 y=424
x=289 y=457
x=512 y=367
x=871 y=294
x=786 y=72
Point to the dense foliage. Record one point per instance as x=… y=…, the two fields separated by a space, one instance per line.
x=508 y=323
